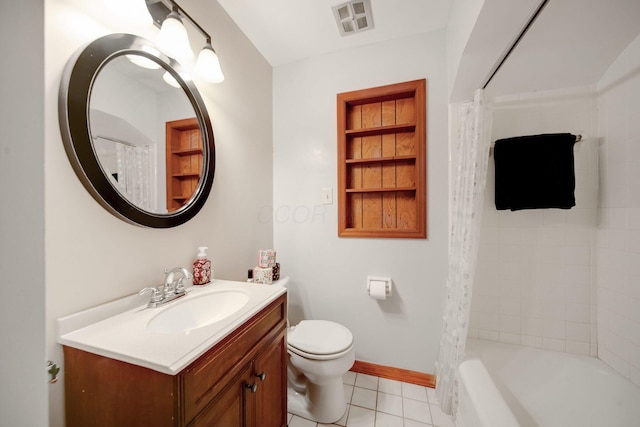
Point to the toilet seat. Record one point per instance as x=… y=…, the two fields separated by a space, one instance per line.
x=319 y=339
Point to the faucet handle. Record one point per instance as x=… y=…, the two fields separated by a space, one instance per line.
x=156 y=295
x=180 y=286
x=169 y=289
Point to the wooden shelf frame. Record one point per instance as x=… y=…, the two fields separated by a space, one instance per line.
x=382 y=161
x=187 y=151
x=184 y=161
x=381 y=130
x=379 y=189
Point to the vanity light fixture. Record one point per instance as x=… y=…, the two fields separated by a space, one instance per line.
x=144 y=62
x=208 y=65
x=170 y=80
x=174 y=41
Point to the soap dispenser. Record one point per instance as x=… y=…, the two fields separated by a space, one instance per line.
x=202 y=273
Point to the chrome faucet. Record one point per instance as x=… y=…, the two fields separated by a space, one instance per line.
x=173 y=286
x=172 y=289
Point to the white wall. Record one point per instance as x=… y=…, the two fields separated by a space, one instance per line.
x=618 y=229
x=536 y=270
x=23 y=393
x=328 y=273
x=91 y=256
x=462 y=18
x=479 y=32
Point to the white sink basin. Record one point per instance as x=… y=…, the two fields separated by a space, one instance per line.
x=198 y=311
x=168 y=338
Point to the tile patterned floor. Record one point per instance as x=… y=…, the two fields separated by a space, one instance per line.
x=379 y=402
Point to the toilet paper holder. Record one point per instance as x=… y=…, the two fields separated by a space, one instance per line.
x=376 y=280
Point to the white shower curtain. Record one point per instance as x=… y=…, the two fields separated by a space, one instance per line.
x=467 y=197
x=136 y=174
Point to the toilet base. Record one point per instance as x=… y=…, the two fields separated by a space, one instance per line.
x=329 y=402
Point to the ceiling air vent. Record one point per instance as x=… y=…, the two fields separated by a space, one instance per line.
x=353 y=17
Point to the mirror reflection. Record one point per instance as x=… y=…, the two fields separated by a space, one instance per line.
x=145 y=134
x=142 y=148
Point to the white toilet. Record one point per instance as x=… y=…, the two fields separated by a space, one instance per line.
x=320 y=353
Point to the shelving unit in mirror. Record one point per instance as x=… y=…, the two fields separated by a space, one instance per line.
x=184 y=161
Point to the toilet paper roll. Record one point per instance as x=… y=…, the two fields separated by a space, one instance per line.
x=378 y=289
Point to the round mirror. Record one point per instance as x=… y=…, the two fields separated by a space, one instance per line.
x=136 y=131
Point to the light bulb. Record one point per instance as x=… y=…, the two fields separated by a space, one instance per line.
x=173 y=40
x=170 y=80
x=208 y=65
x=143 y=61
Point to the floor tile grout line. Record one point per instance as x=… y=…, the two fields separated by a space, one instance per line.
x=376 y=412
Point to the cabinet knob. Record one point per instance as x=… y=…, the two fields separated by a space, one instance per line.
x=253 y=387
x=262 y=376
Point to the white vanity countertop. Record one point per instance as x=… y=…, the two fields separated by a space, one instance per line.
x=113 y=331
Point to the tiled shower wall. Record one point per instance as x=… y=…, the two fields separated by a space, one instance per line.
x=618 y=229
x=535 y=280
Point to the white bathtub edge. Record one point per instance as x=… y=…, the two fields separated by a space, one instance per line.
x=485 y=405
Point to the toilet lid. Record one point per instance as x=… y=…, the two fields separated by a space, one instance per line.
x=320 y=337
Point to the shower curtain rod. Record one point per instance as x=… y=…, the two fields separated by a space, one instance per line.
x=515 y=43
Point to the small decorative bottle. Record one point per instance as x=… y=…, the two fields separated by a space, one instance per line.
x=202 y=267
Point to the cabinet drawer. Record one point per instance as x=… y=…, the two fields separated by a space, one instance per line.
x=206 y=377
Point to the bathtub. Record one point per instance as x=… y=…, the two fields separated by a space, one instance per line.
x=504 y=385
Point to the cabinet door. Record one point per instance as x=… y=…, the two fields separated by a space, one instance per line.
x=271 y=395
x=230 y=407
x=103 y=392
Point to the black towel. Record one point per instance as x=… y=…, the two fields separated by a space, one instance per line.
x=535 y=171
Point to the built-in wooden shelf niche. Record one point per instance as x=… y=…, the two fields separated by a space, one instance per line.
x=184 y=161
x=382 y=161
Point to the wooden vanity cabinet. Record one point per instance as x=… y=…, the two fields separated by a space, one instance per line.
x=249 y=400
x=241 y=381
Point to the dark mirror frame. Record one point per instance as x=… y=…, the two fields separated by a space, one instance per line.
x=73 y=111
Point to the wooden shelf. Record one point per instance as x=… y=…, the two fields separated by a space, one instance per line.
x=187 y=151
x=185 y=175
x=381 y=130
x=379 y=232
x=379 y=190
x=382 y=161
